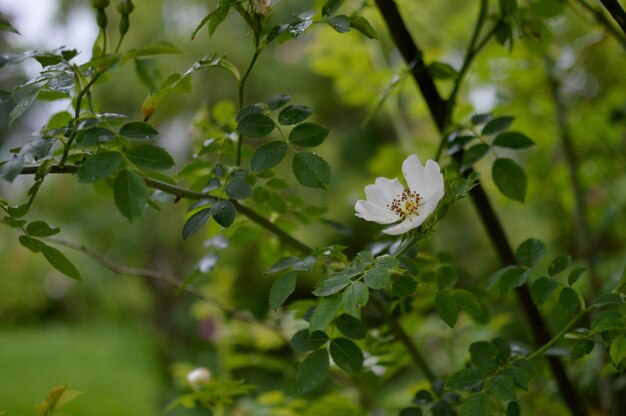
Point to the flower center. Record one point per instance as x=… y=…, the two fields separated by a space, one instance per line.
x=405 y=204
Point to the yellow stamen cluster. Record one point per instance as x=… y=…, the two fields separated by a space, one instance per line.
x=405 y=204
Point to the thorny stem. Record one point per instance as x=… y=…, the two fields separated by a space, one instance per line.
x=167 y=279
x=495 y=230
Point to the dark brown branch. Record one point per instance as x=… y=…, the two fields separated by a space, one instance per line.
x=413 y=56
x=616 y=10
x=187 y=193
x=603 y=20
x=438 y=109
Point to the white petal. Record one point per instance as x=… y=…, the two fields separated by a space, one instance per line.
x=376 y=195
x=425 y=180
x=372 y=212
x=409 y=223
x=390 y=188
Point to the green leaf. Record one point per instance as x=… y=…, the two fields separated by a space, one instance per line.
x=130 y=193
x=466 y=379
x=423 y=397
x=256 y=125
x=30 y=243
x=411 y=411
x=354 y=298
x=330 y=7
x=513 y=409
x=138 y=130
x=508 y=7
x=346 y=355
x=238 y=189
x=559 y=264
x=442 y=408
x=469 y=303
x=403 y=286
x=541 y=289
x=158 y=48
x=308 y=135
x=478 y=404
x=324 y=312
x=331 y=285
x=340 y=23
x=608 y=320
x=94 y=136
x=25 y=98
x=294 y=114
x=497 y=125
x=446 y=277
x=60 y=262
x=268 y=155
x=446 y=308
x=377 y=277
x=278 y=101
x=513 y=140
x=568 y=298
x=521 y=372
x=581 y=348
x=305 y=341
x=312 y=371
x=440 y=70
x=574 y=275
x=510 y=178
x=41 y=229
x=361 y=24
x=224 y=213
x=148 y=156
x=283 y=264
x=350 y=326
x=6 y=26
x=513 y=277
x=617 y=351
x=502 y=387
x=196 y=222
x=282 y=288
x=148 y=73
x=311 y=170
x=483 y=355
x=218 y=15
x=530 y=252
x=473 y=155
x=99 y=166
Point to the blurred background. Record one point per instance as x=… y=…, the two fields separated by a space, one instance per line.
x=124 y=341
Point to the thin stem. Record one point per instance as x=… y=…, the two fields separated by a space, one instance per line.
x=242 y=86
x=604 y=21
x=189 y=194
x=404 y=338
x=559 y=335
x=77 y=108
x=167 y=279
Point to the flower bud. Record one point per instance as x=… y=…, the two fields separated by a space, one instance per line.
x=124 y=24
x=125 y=7
x=101 y=18
x=199 y=377
x=99 y=4
x=262 y=7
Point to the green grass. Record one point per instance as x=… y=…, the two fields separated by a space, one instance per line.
x=115 y=368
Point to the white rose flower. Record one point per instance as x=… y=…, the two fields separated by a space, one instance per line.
x=388 y=201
